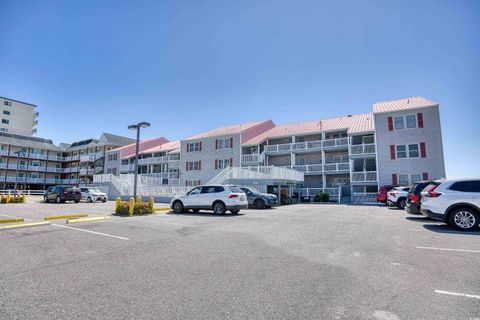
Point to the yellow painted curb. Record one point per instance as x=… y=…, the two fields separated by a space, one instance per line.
x=162 y=209
x=88 y=219
x=66 y=216
x=11 y=220
x=24 y=225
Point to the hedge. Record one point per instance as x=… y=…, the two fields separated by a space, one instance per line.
x=12 y=199
x=139 y=208
x=322 y=197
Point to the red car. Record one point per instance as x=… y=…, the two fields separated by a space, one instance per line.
x=382 y=194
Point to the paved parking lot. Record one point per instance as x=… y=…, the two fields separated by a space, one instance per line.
x=293 y=262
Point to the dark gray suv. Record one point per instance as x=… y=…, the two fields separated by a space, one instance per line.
x=259 y=200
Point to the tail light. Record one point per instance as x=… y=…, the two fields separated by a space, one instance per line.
x=232 y=196
x=432 y=193
x=414 y=198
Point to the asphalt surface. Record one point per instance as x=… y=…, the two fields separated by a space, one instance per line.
x=292 y=262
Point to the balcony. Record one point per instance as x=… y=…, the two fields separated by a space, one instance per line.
x=126 y=168
x=339 y=167
x=159 y=160
x=20 y=154
x=54 y=169
x=279 y=148
x=87 y=158
x=72 y=158
x=71 y=169
x=3 y=152
x=335 y=143
x=307 y=146
x=253 y=158
x=309 y=168
x=362 y=150
x=3 y=165
x=40 y=156
x=85 y=171
x=55 y=158
x=369 y=177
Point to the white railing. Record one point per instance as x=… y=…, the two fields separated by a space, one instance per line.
x=364 y=197
x=26 y=192
x=362 y=149
x=157 y=160
x=72 y=158
x=365 y=176
x=71 y=169
x=311 y=192
x=309 y=168
x=338 y=142
x=258 y=173
x=337 y=167
x=84 y=171
x=56 y=158
x=87 y=158
x=53 y=169
x=3 y=152
x=17 y=153
x=98 y=155
x=126 y=167
x=3 y=165
x=251 y=158
x=147 y=186
x=286 y=147
x=38 y=156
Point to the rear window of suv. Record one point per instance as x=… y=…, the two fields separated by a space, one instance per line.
x=466 y=186
x=236 y=190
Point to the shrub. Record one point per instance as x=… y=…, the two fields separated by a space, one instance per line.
x=138 y=209
x=12 y=199
x=322 y=197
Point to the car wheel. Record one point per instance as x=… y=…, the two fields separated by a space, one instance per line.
x=465 y=219
x=178 y=207
x=196 y=210
x=402 y=203
x=234 y=211
x=89 y=200
x=390 y=203
x=104 y=200
x=77 y=201
x=259 y=204
x=58 y=200
x=45 y=199
x=219 y=208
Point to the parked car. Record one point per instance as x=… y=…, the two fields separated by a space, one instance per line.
x=259 y=200
x=382 y=194
x=60 y=194
x=455 y=202
x=414 y=197
x=218 y=198
x=92 y=194
x=398 y=197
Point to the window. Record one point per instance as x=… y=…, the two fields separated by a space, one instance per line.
x=7 y=103
x=193 y=165
x=401 y=151
x=413 y=151
x=193 y=183
x=194 y=146
x=3 y=130
x=6 y=112
x=399 y=124
x=212 y=189
x=403 y=179
x=416 y=177
x=411 y=121
x=6 y=121
x=223 y=163
x=224 y=143
x=466 y=186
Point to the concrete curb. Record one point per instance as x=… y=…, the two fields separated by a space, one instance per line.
x=24 y=225
x=69 y=221
x=70 y=216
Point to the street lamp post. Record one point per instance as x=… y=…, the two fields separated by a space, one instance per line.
x=137 y=147
x=16 y=173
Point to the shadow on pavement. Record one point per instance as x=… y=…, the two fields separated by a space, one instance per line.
x=206 y=214
x=422 y=219
x=443 y=228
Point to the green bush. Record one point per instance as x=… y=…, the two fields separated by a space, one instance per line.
x=322 y=197
x=138 y=209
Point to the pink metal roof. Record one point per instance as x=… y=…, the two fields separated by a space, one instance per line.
x=129 y=150
x=172 y=146
x=232 y=129
x=353 y=124
x=403 y=104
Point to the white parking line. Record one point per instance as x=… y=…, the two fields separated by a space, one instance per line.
x=466 y=295
x=89 y=231
x=449 y=249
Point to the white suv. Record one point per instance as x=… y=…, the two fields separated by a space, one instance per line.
x=456 y=202
x=398 y=197
x=218 y=198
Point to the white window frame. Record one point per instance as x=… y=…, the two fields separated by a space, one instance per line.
x=418 y=150
x=396 y=151
x=223 y=163
x=404 y=183
x=407 y=150
x=415 y=122
x=224 y=143
x=193 y=165
x=395 y=122
x=404 y=122
x=193 y=146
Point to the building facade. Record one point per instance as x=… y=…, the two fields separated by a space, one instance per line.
x=18 y=117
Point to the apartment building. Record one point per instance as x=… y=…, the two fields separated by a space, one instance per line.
x=18 y=117
x=36 y=163
x=205 y=155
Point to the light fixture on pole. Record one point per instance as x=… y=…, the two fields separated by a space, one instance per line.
x=137 y=147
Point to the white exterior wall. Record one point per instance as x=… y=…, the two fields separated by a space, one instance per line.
x=21 y=118
x=431 y=134
x=207 y=156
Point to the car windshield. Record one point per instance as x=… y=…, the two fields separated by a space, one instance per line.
x=93 y=190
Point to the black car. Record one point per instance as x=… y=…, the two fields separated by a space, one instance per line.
x=414 y=197
x=60 y=194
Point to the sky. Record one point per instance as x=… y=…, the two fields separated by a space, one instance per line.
x=190 y=66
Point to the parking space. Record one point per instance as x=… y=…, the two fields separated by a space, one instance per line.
x=299 y=261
